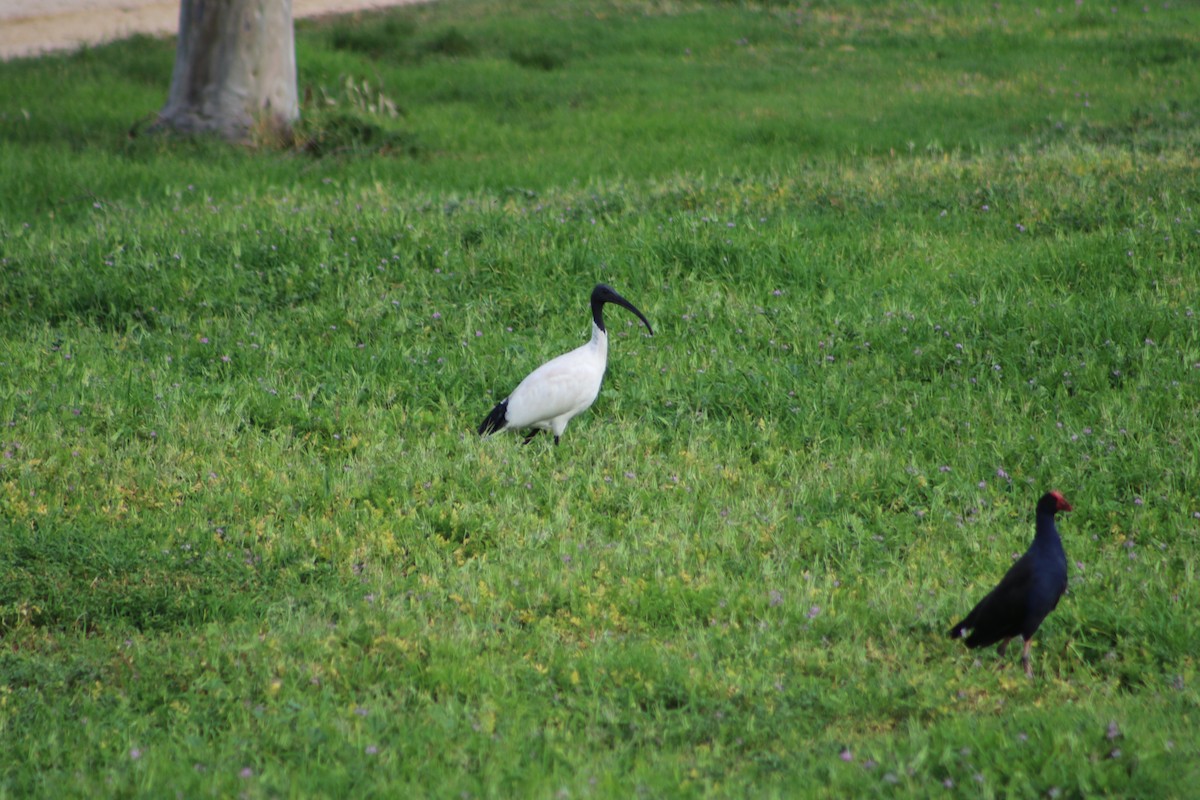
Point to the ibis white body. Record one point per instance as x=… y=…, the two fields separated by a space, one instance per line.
x=561 y=388
x=550 y=396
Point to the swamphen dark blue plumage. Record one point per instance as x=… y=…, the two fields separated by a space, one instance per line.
x=1027 y=593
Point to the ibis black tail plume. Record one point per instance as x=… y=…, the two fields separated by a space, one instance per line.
x=496 y=420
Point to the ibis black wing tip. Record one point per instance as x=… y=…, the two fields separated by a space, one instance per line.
x=496 y=420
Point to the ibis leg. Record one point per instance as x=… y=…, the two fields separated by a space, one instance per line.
x=1003 y=646
x=556 y=441
x=1025 y=658
x=531 y=434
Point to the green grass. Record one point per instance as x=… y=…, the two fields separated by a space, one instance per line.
x=908 y=265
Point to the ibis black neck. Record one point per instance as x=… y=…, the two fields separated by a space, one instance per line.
x=598 y=313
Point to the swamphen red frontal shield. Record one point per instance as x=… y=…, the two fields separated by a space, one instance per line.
x=1027 y=593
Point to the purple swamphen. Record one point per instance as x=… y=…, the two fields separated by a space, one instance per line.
x=1028 y=591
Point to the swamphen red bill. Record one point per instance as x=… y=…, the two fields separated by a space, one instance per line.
x=1027 y=593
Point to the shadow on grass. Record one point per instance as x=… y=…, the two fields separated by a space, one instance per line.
x=74 y=581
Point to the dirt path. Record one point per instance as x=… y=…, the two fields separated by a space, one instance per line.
x=29 y=27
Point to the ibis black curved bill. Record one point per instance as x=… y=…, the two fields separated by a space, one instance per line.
x=603 y=293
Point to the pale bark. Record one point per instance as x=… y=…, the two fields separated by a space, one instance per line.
x=235 y=69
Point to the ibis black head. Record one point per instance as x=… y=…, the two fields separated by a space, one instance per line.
x=1052 y=503
x=603 y=293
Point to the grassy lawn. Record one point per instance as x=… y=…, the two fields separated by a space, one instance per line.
x=909 y=265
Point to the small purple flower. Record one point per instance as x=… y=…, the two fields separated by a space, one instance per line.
x=135 y=753
x=372 y=750
x=1002 y=475
x=437 y=315
x=360 y=711
x=846 y=755
x=246 y=773
x=944 y=468
x=948 y=783
x=813 y=612
x=1113 y=731
x=203 y=340
x=775 y=598
x=1137 y=501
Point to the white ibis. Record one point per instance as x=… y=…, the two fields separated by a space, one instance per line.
x=1027 y=593
x=561 y=388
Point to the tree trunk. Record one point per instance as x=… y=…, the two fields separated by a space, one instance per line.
x=235 y=69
